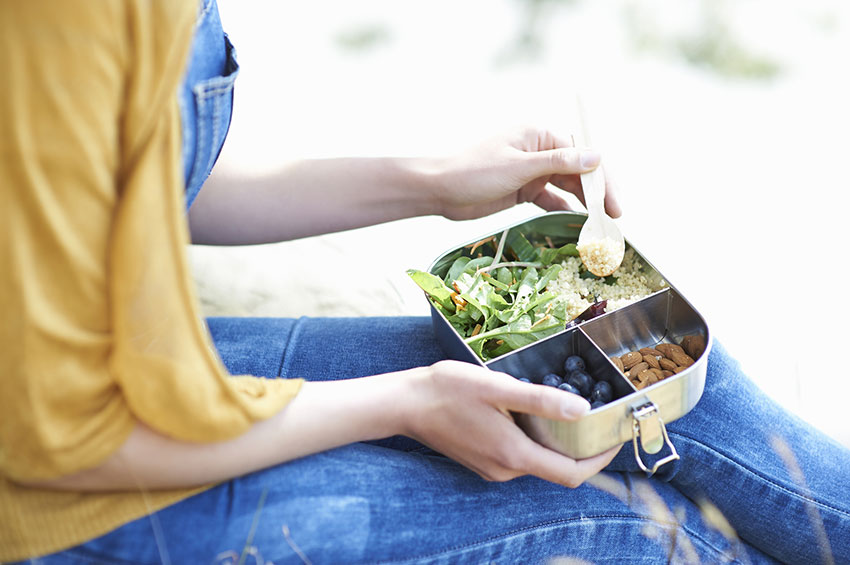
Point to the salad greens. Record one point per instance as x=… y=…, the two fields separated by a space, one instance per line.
x=496 y=304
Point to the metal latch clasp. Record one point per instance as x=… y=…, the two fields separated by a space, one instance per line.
x=648 y=425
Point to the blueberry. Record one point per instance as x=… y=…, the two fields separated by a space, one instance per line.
x=552 y=380
x=596 y=404
x=574 y=363
x=582 y=381
x=523 y=379
x=569 y=388
x=602 y=392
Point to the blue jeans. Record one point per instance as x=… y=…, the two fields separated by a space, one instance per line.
x=396 y=501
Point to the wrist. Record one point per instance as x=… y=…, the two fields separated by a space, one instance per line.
x=426 y=177
x=407 y=395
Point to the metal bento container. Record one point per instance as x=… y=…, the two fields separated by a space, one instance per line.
x=639 y=416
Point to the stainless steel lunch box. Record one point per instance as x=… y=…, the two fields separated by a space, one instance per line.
x=635 y=415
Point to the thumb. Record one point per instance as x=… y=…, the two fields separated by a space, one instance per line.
x=561 y=161
x=545 y=401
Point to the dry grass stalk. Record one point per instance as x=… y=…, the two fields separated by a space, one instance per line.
x=781 y=447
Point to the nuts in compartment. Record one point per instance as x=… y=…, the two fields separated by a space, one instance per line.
x=649 y=365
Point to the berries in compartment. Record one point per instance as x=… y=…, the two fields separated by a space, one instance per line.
x=552 y=380
x=574 y=363
x=582 y=380
x=576 y=379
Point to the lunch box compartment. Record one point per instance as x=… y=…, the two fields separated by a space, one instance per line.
x=548 y=355
x=663 y=316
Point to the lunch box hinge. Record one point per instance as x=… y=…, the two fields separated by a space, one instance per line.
x=648 y=425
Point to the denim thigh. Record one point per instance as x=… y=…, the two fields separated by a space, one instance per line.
x=322 y=349
x=368 y=504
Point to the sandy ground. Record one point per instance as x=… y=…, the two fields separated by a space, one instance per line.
x=735 y=188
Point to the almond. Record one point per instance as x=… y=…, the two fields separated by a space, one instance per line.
x=694 y=345
x=618 y=363
x=667 y=364
x=664 y=349
x=678 y=370
x=666 y=374
x=637 y=369
x=682 y=359
x=630 y=359
x=648 y=377
x=658 y=373
x=649 y=351
x=652 y=361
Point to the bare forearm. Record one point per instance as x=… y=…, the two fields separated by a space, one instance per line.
x=459 y=409
x=322 y=416
x=311 y=197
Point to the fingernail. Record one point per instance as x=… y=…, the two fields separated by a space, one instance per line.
x=589 y=159
x=574 y=406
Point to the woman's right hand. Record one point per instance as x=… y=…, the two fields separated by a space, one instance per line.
x=463 y=411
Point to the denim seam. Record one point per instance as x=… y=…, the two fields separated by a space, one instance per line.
x=201 y=137
x=205 y=93
x=293 y=333
x=823 y=505
x=511 y=533
x=216 y=114
x=695 y=535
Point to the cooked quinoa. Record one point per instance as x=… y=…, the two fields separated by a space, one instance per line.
x=601 y=256
x=632 y=284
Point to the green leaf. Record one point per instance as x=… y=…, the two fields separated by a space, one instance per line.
x=476 y=296
x=549 y=255
x=496 y=282
x=523 y=249
x=456 y=269
x=550 y=273
x=518 y=333
x=495 y=350
x=477 y=263
x=497 y=302
x=433 y=287
x=505 y=276
x=497 y=305
x=525 y=291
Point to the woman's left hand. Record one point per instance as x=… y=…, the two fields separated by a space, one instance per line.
x=530 y=165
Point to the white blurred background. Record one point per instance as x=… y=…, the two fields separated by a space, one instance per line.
x=726 y=125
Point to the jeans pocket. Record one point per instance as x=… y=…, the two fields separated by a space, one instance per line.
x=213 y=99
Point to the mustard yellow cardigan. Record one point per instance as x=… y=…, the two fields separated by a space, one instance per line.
x=99 y=324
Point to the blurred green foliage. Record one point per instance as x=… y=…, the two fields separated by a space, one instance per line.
x=363 y=38
x=712 y=44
